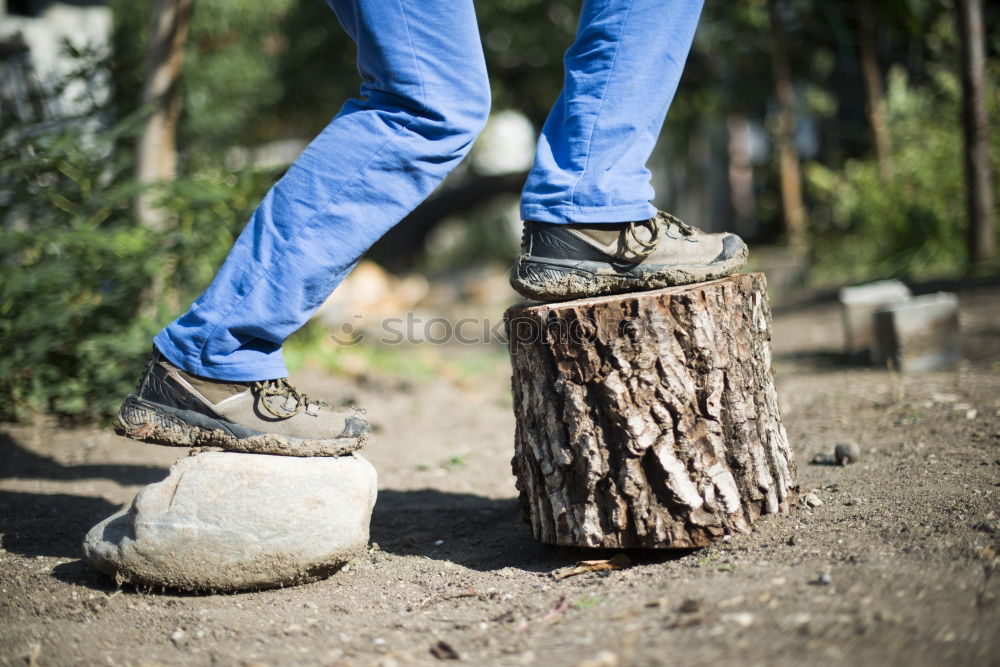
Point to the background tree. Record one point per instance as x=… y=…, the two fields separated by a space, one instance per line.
x=873 y=87
x=784 y=131
x=975 y=123
x=156 y=156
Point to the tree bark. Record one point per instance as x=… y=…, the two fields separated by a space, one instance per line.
x=788 y=154
x=873 y=89
x=650 y=419
x=156 y=158
x=978 y=173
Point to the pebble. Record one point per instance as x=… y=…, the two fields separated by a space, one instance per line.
x=811 y=500
x=854 y=501
x=602 y=659
x=690 y=606
x=825 y=579
x=744 y=619
x=178 y=636
x=847 y=452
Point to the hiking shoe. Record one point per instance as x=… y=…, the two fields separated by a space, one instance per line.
x=578 y=260
x=172 y=407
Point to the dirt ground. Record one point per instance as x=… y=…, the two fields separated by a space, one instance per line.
x=897 y=566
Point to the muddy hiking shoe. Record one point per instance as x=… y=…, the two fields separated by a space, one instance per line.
x=578 y=260
x=172 y=407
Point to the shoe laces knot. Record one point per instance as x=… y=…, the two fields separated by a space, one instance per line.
x=642 y=247
x=284 y=389
x=637 y=245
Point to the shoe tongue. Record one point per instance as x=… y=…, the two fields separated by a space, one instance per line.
x=611 y=238
x=605 y=235
x=214 y=390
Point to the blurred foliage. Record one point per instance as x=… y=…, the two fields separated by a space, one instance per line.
x=231 y=68
x=494 y=237
x=256 y=71
x=77 y=302
x=913 y=225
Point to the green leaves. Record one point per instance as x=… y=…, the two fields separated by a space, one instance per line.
x=84 y=285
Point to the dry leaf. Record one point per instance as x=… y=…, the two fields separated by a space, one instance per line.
x=616 y=562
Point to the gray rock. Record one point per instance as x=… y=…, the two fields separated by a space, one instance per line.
x=920 y=334
x=847 y=452
x=858 y=304
x=227 y=521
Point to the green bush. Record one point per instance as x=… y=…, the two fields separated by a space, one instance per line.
x=85 y=286
x=913 y=225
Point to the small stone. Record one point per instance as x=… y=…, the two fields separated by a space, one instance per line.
x=811 y=500
x=853 y=501
x=744 y=619
x=602 y=659
x=690 y=606
x=847 y=452
x=227 y=521
x=177 y=637
x=825 y=579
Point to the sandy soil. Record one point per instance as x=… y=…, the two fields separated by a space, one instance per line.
x=897 y=566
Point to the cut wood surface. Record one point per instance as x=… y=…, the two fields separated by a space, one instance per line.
x=648 y=419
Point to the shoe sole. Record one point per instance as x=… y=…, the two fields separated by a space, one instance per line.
x=558 y=279
x=150 y=422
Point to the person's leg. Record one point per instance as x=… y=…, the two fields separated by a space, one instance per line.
x=216 y=377
x=424 y=98
x=621 y=74
x=590 y=226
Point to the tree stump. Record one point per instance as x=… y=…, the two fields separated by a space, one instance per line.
x=648 y=420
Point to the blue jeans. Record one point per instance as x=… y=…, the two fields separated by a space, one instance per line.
x=424 y=99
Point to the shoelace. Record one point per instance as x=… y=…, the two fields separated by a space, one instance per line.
x=284 y=389
x=643 y=248
x=684 y=228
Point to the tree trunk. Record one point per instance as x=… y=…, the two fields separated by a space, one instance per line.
x=788 y=154
x=649 y=419
x=873 y=89
x=978 y=176
x=156 y=158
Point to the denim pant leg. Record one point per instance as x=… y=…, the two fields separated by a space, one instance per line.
x=620 y=77
x=424 y=98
